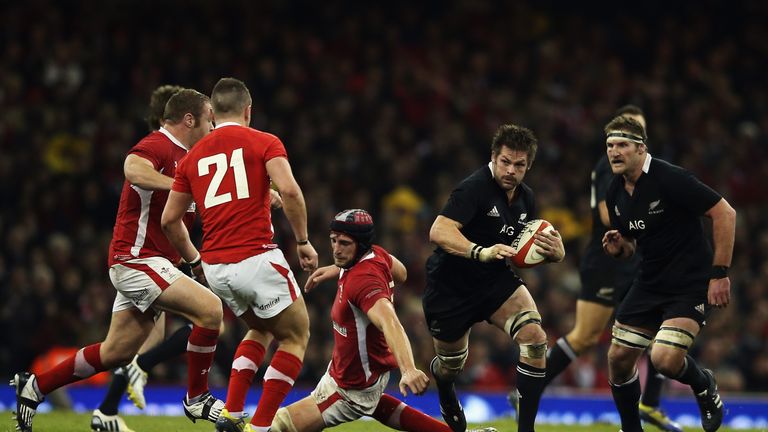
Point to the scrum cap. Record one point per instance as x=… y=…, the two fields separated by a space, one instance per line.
x=358 y=224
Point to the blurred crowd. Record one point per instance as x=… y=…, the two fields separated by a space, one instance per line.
x=382 y=107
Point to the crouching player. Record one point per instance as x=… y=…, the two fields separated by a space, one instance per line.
x=369 y=340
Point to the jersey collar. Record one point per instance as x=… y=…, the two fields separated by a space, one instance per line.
x=647 y=163
x=173 y=139
x=220 y=125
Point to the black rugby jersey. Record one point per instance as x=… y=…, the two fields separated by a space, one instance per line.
x=481 y=206
x=663 y=215
x=594 y=255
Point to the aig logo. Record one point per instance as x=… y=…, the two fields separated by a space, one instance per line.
x=637 y=225
x=508 y=230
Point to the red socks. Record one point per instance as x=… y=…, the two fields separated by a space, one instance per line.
x=397 y=415
x=200 y=350
x=278 y=381
x=248 y=357
x=83 y=364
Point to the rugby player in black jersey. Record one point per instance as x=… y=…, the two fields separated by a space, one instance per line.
x=655 y=206
x=469 y=280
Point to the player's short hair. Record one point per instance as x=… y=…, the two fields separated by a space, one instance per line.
x=628 y=125
x=515 y=138
x=230 y=96
x=629 y=110
x=183 y=102
x=157 y=102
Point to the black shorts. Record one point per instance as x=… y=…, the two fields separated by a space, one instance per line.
x=602 y=286
x=451 y=308
x=648 y=309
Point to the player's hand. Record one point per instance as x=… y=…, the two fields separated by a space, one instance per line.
x=719 y=292
x=321 y=275
x=550 y=245
x=414 y=380
x=495 y=252
x=199 y=275
x=613 y=243
x=275 y=200
x=307 y=257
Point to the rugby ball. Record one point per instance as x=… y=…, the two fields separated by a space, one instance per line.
x=527 y=252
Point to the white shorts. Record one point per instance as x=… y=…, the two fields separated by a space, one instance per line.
x=140 y=281
x=263 y=283
x=338 y=405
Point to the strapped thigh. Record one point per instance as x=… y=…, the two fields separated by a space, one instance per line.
x=630 y=338
x=674 y=337
x=516 y=322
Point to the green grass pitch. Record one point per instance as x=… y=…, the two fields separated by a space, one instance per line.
x=70 y=422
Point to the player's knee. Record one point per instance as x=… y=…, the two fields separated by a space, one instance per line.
x=282 y=422
x=212 y=315
x=582 y=341
x=524 y=327
x=450 y=363
x=621 y=357
x=669 y=349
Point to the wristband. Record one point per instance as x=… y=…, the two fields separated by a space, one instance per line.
x=474 y=251
x=718 y=272
x=195 y=262
x=302 y=242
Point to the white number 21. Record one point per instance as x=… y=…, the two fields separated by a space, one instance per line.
x=220 y=160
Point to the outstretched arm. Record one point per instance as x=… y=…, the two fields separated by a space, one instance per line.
x=295 y=209
x=383 y=316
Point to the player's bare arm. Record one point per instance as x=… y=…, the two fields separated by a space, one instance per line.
x=295 y=209
x=173 y=226
x=383 y=316
x=321 y=275
x=445 y=232
x=723 y=232
x=617 y=246
x=399 y=272
x=550 y=244
x=140 y=172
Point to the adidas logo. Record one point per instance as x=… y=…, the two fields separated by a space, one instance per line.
x=493 y=212
x=700 y=308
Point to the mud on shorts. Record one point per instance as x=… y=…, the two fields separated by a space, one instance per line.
x=338 y=405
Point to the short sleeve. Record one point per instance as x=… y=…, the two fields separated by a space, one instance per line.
x=146 y=151
x=180 y=180
x=461 y=205
x=684 y=189
x=367 y=290
x=275 y=148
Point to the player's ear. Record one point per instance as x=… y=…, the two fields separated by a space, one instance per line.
x=189 y=120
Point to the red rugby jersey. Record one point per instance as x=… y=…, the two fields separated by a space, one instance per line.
x=226 y=174
x=360 y=351
x=137 y=232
